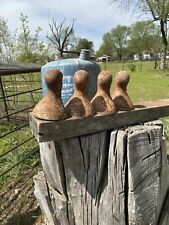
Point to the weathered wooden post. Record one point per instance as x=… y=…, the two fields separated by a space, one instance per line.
x=106 y=169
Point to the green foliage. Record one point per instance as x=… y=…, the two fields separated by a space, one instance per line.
x=7 y=127
x=132 y=67
x=145 y=82
x=30 y=49
x=6 y=42
x=144 y=36
x=83 y=43
x=21 y=46
x=158 y=11
x=114 y=42
x=124 y=42
x=107 y=46
x=120 y=36
x=9 y=142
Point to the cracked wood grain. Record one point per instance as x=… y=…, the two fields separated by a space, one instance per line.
x=117 y=177
x=57 y=130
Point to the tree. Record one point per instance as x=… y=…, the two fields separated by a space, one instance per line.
x=6 y=43
x=83 y=43
x=61 y=35
x=119 y=37
x=29 y=48
x=144 y=36
x=106 y=47
x=115 y=41
x=159 y=10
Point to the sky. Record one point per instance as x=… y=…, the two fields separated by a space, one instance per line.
x=93 y=18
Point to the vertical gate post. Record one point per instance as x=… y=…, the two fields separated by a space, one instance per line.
x=4 y=100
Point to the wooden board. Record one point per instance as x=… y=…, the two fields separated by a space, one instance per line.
x=56 y=130
x=114 y=177
x=148 y=181
x=43 y=197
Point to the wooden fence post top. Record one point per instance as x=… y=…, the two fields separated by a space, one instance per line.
x=56 y=130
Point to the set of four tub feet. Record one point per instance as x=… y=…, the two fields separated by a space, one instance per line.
x=51 y=107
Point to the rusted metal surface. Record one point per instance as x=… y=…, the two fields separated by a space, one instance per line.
x=79 y=104
x=14 y=113
x=50 y=107
x=19 y=70
x=20 y=93
x=18 y=84
x=119 y=95
x=102 y=102
x=3 y=98
x=58 y=130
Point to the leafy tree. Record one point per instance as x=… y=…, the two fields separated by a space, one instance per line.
x=6 y=43
x=144 y=36
x=83 y=43
x=29 y=48
x=119 y=36
x=106 y=47
x=159 y=10
x=115 y=42
x=61 y=35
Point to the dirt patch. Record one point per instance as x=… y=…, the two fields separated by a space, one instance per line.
x=18 y=205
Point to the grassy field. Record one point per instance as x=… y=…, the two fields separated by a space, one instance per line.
x=16 y=84
x=147 y=84
x=13 y=157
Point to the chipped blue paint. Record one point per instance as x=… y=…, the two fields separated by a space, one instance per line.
x=68 y=68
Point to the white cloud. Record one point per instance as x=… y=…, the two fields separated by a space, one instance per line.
x=93 y=17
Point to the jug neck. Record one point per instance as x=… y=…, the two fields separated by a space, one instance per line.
x=84 y=54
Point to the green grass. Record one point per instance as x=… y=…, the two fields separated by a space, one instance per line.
x=145 y=83
x=21 y=83
x=9 y=142
x=18 y=83
x=148 y=84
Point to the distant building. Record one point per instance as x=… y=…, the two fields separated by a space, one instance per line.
x=143 y=56
x=146 y=56
x=103 y=58
x=136 y=57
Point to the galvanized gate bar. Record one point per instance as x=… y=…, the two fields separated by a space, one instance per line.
x=4 y=72
x=55 y=130
x=4 y=100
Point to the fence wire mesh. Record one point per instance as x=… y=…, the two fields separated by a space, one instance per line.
x=20 y=90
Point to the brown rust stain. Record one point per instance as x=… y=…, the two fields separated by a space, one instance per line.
x=102 y=102
x=79 y=104
x=119 y=94
x=51 y=107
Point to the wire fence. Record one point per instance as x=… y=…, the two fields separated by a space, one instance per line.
x=132 y=65
x=20 y=90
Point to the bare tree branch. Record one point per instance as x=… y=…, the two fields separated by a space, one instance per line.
x=60 y=34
